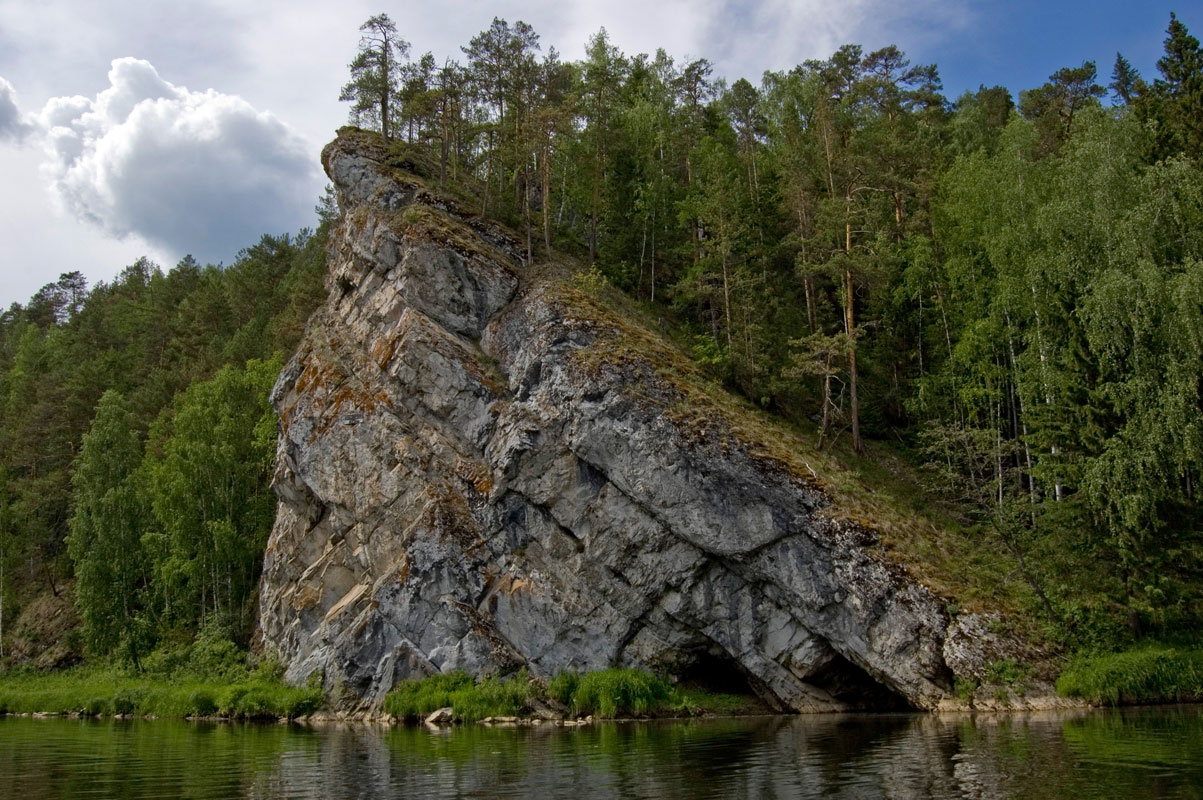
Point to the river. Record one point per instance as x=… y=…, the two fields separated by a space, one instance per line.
x=1128 y=753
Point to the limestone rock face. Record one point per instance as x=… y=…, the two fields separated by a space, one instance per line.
x=475 y=473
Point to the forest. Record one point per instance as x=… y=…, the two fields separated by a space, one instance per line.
x=1007 y=292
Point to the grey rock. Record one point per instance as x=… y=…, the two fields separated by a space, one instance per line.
x=471 y=478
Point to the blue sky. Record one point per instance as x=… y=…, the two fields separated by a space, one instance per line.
x=160 y=127
x=1019 y=43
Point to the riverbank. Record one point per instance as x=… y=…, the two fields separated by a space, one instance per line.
x=261 y=695
x=1153 y=673
x=100 y=691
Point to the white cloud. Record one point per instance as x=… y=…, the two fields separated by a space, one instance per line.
x=747 y=38
x=190 y=172
x=13 y=124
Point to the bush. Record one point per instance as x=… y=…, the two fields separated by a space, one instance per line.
x=96 y=707
x=301 y=702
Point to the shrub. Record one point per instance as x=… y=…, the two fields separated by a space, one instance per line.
x=301 y=702
x=230 y=700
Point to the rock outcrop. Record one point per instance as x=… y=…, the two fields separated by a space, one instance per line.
x=482 y=468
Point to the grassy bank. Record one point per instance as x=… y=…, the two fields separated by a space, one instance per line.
x=607 y=693
x=1156 y=673
x=107 y=691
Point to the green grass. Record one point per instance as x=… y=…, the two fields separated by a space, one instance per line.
x=622 y=692
x=107 y=691
x=470 y=699
x=607 y=693
x=1150 y=674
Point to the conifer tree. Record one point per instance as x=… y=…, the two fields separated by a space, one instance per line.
x=376 y=73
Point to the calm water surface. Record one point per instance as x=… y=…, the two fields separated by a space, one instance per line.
x=1133 y=753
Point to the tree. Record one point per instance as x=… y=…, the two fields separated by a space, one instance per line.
x=601 y=77
x=106 y=529
x=1053 y=106
x=210 y=490
x=376 y=73
x=1126 y=84
x=1178 y=93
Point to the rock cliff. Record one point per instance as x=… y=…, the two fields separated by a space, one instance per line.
x=482 y=468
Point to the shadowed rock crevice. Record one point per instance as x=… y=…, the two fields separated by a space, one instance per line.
x=481 y=468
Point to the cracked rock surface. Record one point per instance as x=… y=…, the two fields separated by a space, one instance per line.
x=468 y=481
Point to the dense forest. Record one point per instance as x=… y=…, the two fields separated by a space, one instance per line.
x=1009 y=294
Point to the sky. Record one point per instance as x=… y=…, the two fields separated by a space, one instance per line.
x=158 y=128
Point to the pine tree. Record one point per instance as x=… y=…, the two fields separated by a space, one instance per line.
x=376 y=73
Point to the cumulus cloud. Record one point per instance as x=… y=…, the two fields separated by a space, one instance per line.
x=14 y=125
x=190 y=172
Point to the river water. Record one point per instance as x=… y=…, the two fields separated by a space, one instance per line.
x=1131 y=753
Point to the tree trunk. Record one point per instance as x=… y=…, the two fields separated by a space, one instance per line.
x=850 y=328
x=384 y=92
x=809 y=284
x=597 y=159
x=546 y=171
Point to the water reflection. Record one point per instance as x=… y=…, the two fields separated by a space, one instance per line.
x=1132 y=753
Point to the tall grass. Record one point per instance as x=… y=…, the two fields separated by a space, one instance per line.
x=629 y=692
x=1151 y=674
x=470 y=699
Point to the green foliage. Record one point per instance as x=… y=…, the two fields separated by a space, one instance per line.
x=620 y=692
x=211 y=656
x=102 y=691
x=417 y=698
x=1152 y=673
x=1007 y=673
x=469 y=699
x=606 y=693
x=211 y=496
x=563 y=686
x=105 y=539
x=202 y=703
x=136 y=343
x=376 y=74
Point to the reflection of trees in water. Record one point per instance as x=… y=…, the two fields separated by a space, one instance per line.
x=1146 y=753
